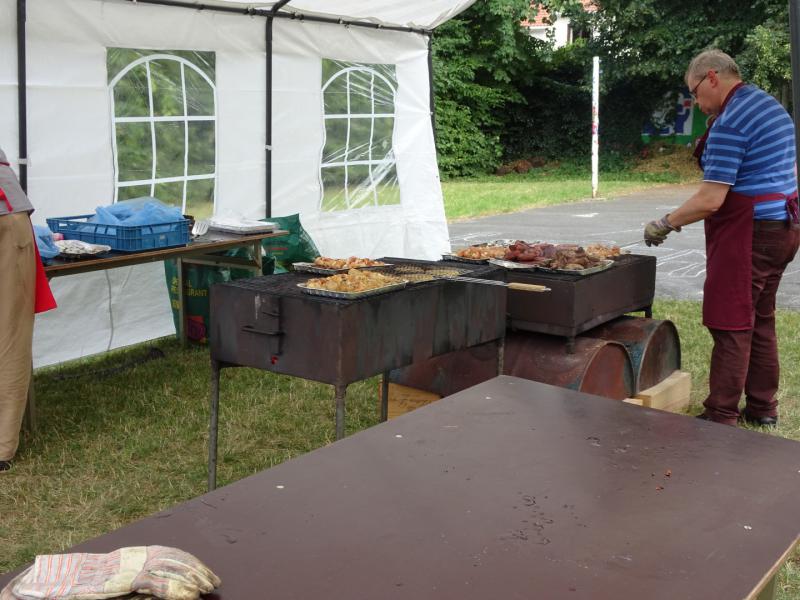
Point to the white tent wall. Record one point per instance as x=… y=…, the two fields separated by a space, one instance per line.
x=71 y=158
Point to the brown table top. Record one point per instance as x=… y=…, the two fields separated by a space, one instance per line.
x=213 y=241
x=510 y=489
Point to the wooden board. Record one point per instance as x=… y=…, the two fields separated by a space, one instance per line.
x=403 y=399
x=672 y=394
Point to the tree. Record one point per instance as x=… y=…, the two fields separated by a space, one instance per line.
x=480 y=59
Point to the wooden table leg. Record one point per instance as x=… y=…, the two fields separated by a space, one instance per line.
x=768 y=593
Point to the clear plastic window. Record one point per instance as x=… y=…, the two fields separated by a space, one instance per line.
x=358 y=167
x=164 y=126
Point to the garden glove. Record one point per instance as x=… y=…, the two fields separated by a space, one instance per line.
x=159 y=571
x=657 y=231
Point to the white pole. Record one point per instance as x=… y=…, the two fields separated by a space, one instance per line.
x=595 y=123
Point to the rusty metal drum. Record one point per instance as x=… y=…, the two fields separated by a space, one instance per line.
x=600 y=367
x=653 y=344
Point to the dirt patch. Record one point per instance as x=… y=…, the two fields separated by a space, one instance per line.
x=668 y=159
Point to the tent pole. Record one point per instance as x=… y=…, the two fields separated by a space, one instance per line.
x=268 y=164
x=794 y=28
x=22 y=95
x=283 y=15
x=431 y=89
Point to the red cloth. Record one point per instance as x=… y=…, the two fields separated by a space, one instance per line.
x=44 y=299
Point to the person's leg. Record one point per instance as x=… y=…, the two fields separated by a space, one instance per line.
x=772 y=250
x=17 y=288
x=728 y=372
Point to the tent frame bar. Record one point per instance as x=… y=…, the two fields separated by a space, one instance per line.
x=22 y=94
x=275 y=12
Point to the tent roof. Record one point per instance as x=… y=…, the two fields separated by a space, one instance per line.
x=417 y=14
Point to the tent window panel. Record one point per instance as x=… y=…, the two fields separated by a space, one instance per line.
x=387 y=190
x=167 y=85
x=199 y=95
x=170 y=193
x=333 y=182
x=335 y=140
x=164 y=123
x=360 y=190
x=169 y=149
x=133 y=191
x=382 y=134
x=200 y=198
x=360 y=139
x=202 y=144
x=131 y=97
x=134 y=151
x=357 y=160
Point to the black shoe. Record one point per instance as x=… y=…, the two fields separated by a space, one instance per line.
x=760 y=421
x=5 y=465
x=703 y=416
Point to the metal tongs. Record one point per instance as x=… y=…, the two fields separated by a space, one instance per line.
x=630 y=245
x=522 y=287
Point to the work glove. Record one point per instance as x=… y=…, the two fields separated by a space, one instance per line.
x=657 y=231
x=159 y=571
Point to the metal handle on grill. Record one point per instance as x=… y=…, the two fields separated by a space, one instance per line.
x=522 y=287
x=527 y=287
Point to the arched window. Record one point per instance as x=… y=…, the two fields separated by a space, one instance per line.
x=358 y=167
x=164 y=128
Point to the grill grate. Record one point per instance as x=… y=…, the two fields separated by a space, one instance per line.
x=417 y=272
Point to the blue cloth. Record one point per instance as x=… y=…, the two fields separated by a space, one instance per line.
x=138 y=211
x=44 y=241
x=751 y=148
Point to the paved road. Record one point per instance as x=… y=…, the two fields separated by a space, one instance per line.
x=681 y=259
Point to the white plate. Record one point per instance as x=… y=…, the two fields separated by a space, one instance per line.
x=80 y=248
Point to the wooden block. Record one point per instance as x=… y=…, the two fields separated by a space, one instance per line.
x=636 y=401
x=403 y=399
x=672 y=394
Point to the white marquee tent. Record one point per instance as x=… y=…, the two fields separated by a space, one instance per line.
x=155 y=97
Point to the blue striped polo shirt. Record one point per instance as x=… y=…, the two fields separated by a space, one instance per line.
x=751 y=148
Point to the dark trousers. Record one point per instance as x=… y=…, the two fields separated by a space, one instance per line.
x=748 y=360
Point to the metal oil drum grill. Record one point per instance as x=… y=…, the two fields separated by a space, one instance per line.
x=595 y=366
x=268 y=323
x=653 y=344
x=577 y=303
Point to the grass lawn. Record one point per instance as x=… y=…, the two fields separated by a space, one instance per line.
x=561 y=183
x=121 y=437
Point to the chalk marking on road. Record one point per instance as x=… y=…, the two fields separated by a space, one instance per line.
x=586 y=215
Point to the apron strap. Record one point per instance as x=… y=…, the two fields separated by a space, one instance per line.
x=4 y=198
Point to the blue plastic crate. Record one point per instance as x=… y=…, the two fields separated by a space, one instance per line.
x=124 y=238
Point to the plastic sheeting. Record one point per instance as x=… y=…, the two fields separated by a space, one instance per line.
x=71 y=139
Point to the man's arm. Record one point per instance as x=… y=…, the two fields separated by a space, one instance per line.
x=705 y=202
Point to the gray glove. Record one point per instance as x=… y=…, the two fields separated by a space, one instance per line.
x=657 y=231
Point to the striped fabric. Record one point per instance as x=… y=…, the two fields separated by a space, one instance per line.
x=751 y=148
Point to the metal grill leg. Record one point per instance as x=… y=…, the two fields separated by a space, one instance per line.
x=213 y=426
x=341 y=390
x=648 y=312
x=385 y=397
x=501 y=355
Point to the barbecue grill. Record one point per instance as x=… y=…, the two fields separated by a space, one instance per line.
x=577 y=303
x=269 y=323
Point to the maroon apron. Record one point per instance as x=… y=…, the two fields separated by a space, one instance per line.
x=727 y=292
